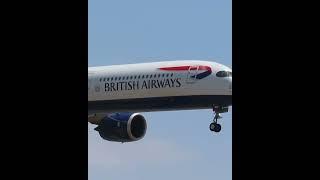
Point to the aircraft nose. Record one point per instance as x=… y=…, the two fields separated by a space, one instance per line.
x=229 y=81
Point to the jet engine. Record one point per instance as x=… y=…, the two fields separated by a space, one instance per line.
x=122 y=127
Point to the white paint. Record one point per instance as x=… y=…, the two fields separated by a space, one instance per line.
x=210 y=85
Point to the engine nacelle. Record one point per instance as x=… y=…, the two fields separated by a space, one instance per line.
x=122 y=127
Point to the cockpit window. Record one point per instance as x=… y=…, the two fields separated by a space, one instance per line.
x=224 y=74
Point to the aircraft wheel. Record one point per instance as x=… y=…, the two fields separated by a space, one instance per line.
x=215 y=127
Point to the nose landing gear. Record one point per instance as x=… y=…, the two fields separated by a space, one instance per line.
x=214 y=126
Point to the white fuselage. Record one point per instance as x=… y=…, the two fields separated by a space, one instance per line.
x=157 y=86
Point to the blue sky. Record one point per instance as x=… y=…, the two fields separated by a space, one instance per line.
x=178 y=144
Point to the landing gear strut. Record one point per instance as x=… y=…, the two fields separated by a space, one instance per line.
x=214 y=126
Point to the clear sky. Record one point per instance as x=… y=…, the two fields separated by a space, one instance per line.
x=178 y=144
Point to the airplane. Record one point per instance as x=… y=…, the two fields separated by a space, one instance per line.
x=117 y=94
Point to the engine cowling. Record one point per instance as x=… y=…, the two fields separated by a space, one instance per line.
x=122 y=127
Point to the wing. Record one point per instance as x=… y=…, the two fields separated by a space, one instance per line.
x=96 y=118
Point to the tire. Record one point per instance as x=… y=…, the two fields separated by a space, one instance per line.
x=217 y=128
x=212 y=126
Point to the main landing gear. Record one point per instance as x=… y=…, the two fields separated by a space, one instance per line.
x=214 y=126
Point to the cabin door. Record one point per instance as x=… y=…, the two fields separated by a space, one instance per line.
x=192 y=74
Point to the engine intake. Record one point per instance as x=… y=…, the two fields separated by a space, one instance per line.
x=122 y=127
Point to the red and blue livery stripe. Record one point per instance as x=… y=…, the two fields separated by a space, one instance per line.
x=207 y=70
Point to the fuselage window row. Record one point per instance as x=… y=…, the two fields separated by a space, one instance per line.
x=135 y=77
